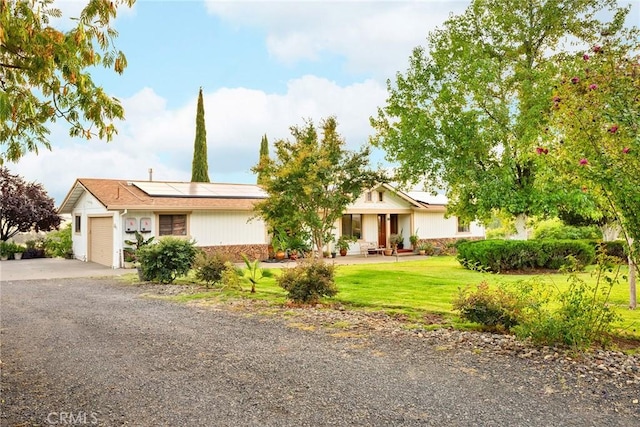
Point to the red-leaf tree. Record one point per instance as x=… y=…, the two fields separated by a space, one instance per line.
x=596 y=136
x=24 y=206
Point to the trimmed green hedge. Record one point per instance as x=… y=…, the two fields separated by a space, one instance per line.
x=505 y=255
x=615 y=248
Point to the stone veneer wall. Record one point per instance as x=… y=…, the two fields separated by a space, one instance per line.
x=445 y=246
x=234 y=252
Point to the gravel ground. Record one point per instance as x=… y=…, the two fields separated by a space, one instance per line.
x=94 y=352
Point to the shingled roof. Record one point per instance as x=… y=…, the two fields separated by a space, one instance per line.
x=116 y=194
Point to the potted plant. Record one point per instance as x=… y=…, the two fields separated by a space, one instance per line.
x=414 y=239
x=280 y=244
x=344 y=242
x=396 y=241
x=297 y=246
x=5 y=247
x=18 y=250
x=426 y=248
x=400 y=242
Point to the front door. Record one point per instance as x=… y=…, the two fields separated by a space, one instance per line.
x=382 y=230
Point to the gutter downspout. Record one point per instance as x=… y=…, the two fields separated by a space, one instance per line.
x=120 y=250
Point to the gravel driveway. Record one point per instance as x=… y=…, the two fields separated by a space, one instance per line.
x=94 y=352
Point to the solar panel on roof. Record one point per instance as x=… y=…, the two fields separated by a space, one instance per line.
x=200 y=189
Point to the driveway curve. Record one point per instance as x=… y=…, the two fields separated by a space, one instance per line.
x=97 y=353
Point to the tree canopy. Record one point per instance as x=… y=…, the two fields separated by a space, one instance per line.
x=311 y=180
x=24 y=206
x=44 y=74
x=469 y=112
x=200 y=166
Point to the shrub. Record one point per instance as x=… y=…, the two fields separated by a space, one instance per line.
x=35 y=249
x=428 y=248
x=209 y=267
x=616 y=248
x=495 y=309
x=166 y=260
x=58 y=243
x=554 y=229
x=557 y=252
x=583 y=316
x=7 y=248
x=504 y=255
x=231 y=276
x=311 y=280
x=577 y=317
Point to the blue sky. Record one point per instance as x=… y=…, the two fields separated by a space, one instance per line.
x=263 y=66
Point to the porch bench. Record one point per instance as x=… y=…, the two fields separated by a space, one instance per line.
x=370 y=247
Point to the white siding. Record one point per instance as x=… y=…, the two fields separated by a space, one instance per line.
x=433 y=225
x=213 y=228
x=390 y=202
x=119 y=243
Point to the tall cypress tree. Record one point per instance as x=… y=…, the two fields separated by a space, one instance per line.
x=264 y=157
x=199 y=167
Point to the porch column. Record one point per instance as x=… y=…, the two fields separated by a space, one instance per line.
x=387 y=224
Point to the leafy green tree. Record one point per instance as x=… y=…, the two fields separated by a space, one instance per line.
x=264 y=156
x=44 y=74
x=596 y=135
x=24 y=206
x=311 y=180
x=199 y=166
x=469 y=112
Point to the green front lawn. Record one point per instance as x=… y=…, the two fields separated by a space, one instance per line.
x=416 y=288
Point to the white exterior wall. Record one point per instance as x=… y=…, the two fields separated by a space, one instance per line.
x=119 y=243
x=389 y=202
x=88 y=206
x=213 y=228
x=208 y=228
x=433 y=225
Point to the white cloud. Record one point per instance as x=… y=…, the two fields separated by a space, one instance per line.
x=154 y=136
x=372 y=36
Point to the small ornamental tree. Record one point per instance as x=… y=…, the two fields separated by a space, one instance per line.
x=597 y=137
x=24 y=206
x=45 y=74
x=311 y=181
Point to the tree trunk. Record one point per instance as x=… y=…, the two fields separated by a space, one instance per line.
x=632 y=284
x=610 y=231
x=521 y=228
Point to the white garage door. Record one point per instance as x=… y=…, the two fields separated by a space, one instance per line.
x=101 y=240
